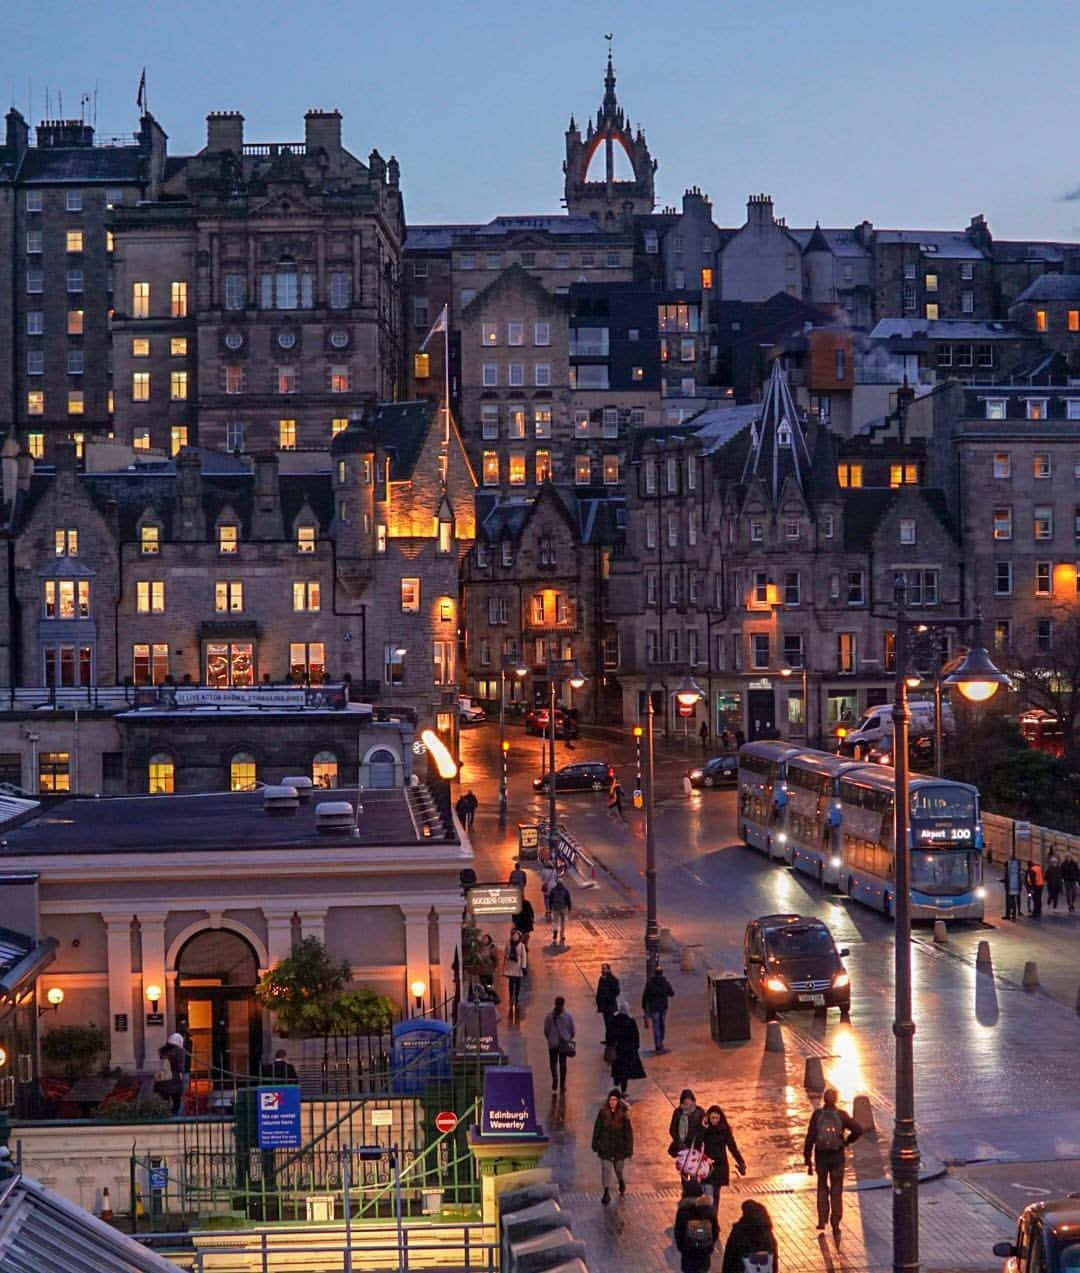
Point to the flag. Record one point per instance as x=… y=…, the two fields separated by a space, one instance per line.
x=440 y=325
x=140 y=97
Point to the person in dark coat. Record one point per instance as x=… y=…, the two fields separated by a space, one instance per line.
x=524 y=921
x=716 y=1140
x=655 y=998
x=281 y=1069
x=1053 y=881
x=752 y=1232
x=607 y=996
x=831 y=1130
x=625 y=1043
x=1070 y=878
x=685 y=1122
x=171 y=1063
x=613 y=1142
x=692 y=1216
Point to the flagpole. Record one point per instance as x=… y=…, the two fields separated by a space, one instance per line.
x=446 y=380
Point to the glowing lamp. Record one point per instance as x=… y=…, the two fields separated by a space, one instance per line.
x=153 y=994
x=418 y=988
x=506 y=744
x=55 y=996
x=577 y=678
x=638 y=731
x=841 y=732
x=772 y=594
x=438 y=750
x=912 y=681
x=520 y=670
x=977 y=678
x=3 y=1057
x=689 y=692
x=785 y=671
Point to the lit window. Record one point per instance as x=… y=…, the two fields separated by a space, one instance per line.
x=35 y=444
x=421 y=366
x=849 y=475
x=1040 y=320
x=178 y=438
x=150 y=664
x=1035 y=408
x=845 y=652
x=516 y=421
x=490 y=468
x=324 y=770
x=931 y=282
x=35 y=402
x=582 y=470
x=286 y=380
x=611 y=470
x=161 y=775
x=178 y=347
x=67 y=598
x=305 y=539
x=242 y=772
x=140 y=300
x=1041 y=466
x=54 y=768
x=410 y=596
x=140 y=386
x=1003 y=522
x=1074 y=320
x=339 y=379
x=66 y=542
x=178 y=302
x=338 y=425
x=517 y=468
x=178 y=386
x=74 y=240
x=228 y=596
x=706 y=279
x=542 y=421
x=287 y=435
x=306 y=595
x=140 y=439
x=380 y=537
x=446 y=534
x=932 y=311
x=543 y=466
x=228 y=539
x=150 y=540
x=76 y=404
x=140 y=347
x=150 y=596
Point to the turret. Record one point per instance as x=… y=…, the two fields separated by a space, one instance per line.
x=357 y=534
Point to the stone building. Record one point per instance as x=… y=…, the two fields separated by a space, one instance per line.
x=57 y=198
x=1049 y=310
x=257 y=297
x=762 y=258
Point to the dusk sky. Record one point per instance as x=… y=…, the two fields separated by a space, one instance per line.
x=912 y=115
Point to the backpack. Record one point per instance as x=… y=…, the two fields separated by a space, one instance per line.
x=758 y=1262
x=830 y=1132
x=698 y=1236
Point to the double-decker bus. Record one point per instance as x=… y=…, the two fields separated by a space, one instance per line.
x=814 y=840
x=763 y=795
x=946 y=844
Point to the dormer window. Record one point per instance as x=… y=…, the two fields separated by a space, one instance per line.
x=446 y=535
x=150 y=540
x=228 y=539
x=783 y=434
x=305 y=539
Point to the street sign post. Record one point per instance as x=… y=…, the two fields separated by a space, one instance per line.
x=445 y=1121
x=494 y=901
x=278 y=1115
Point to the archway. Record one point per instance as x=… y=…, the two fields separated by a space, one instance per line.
x=382 y=764
x=216 y=974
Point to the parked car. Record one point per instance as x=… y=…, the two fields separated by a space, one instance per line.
x=791 y=961
x=470 y=713
x=583 y=775
x=1047 y=1238
x=536 y=722
x=920 y=753
x=716 y=772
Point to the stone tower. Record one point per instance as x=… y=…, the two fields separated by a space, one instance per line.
x=610 y=203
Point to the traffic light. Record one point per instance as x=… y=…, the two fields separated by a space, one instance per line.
x=505 y=745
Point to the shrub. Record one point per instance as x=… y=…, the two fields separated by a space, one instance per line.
x=74 y=1047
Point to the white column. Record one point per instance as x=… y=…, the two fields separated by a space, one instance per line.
x=153 y=974
x=118 y=953
x=449 y=921
x=417 y=949
x=313 y=924
x=278 y=935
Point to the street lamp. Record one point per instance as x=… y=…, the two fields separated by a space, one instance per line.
x=577 y=681
x=519 y=670
x=398 y=653
x=978 y=680
x=688 y=693
x=788 y=672
x=55 y=997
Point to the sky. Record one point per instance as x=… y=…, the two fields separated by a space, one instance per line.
x=907 y=115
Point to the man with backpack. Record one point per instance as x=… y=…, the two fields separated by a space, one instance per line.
x=696 y=1229
x=830 y=1132
x=559 y=903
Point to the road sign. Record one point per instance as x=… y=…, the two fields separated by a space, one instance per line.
x=159 y=1178
x=382 y=1118
x=445 y=1121
x=278 y=1111
x=494 y=900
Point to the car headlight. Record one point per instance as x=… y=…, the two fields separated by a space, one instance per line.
x=841 y=981
x=782 y=837
x=776 y=985
x=835 y=862
x=696 y=773
x=980 y=892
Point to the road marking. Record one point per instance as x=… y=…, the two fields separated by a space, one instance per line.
x=693 y=874
x=1036 y=1190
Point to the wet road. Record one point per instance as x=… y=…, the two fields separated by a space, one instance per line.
x=997 y=1067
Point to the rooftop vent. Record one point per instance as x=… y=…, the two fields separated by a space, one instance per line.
x=302 y=784
x=280 y=801
x=334 y=816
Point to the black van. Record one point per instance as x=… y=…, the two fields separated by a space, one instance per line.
x=791 y=961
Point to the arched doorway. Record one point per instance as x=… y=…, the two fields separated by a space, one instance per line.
x=216 y=974
x=381 y=765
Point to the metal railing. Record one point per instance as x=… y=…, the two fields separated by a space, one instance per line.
x=570 y=856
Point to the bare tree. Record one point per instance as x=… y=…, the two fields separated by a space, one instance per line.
x=1045 y=668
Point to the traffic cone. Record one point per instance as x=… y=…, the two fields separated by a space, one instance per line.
x=106 y=1205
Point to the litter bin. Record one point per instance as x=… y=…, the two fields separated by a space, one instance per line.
x=528 y=839
x=729 y=1009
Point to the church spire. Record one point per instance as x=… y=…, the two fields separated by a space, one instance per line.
x=610 y=102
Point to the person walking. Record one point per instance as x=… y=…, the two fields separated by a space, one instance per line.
x=471 y=804
x=560 y=903
x=169 y=1079
x=559 y=1033
x=624 y=1047
x=1033 y=878
x=716 y=1140
x=655 y=998
x=830 y=1131
x=515 y=959
x=751 y=1236
x=613 y=1142
x=281 y=1068
x=614 y=802
x=1070 y=878
x=487 y=963
x=1053 y=880
x=549 y=877
x=517 y=875
x=685 y=1123
x=524 y=921
x=695 y=1230
x=703 y=734
x=1012 y=878
x=607 y=997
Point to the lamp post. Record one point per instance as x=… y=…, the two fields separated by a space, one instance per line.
x=978 y=680
x=786 y=673
x=519 y=670
x=398 y=653
x=688 y=693
x=577 y=680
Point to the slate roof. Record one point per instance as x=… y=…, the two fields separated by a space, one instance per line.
x=840 y=242
x=865 y=509
x=401 y=428
x=945 y=329
x=717 y=426
x=1051 y=287
x=945 y=244
x=770 y=459
x=817 y=241
x=1007 y=252
x=117 y=164
x=434 y=238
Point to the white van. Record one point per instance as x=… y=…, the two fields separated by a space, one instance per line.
x=875 y=725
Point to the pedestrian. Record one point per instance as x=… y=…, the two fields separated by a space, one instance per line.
x=613 y=1142
x=515 y=958
x=623 y=1050
x=716 y=1140
x=1053 y=880
x=751 y=1244
x=461 y=808
x=727 y=740
x=487 y=962
x=548 y=879
x=281 y=1069
x=607 y=996
x=1012 y=887
x=1070 y=878
x=696 y=1230
x=560 y=903
x=685 y=1123
x=1033 y=878
x=524 y=921
x=830 y=1131
x=687 y=785
x=655 y=998
x=703 y=734
x=471 y=803
x=615 y=795
x=740 y=739
x=559 y=1033
x=169 y=1079
x=517 y=875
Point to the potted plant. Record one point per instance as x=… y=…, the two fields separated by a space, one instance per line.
x=74 y=1048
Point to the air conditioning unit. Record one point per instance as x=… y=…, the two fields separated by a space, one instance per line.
x=334 y=816
x=303 y=785
x=280 y=801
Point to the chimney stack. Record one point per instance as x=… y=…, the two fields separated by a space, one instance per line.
x=267 y=522
x=225 y=131
x=323 y=129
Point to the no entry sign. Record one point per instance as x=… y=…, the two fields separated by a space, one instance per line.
x=445 y=1121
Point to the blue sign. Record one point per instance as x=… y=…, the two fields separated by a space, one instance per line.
x=421 y=1052
x=509 y=1104
x=278 y=1114
x=159 y=1178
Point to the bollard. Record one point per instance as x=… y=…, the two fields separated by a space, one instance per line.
x=941 y=935
x=688 y=959
x=667 y=943
x=1031 y=975
x=982 y=959
x=813 y=1075
x=862 y=1112
x=774 y=1040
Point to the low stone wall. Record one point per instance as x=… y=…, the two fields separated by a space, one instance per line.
x=1035 y=846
